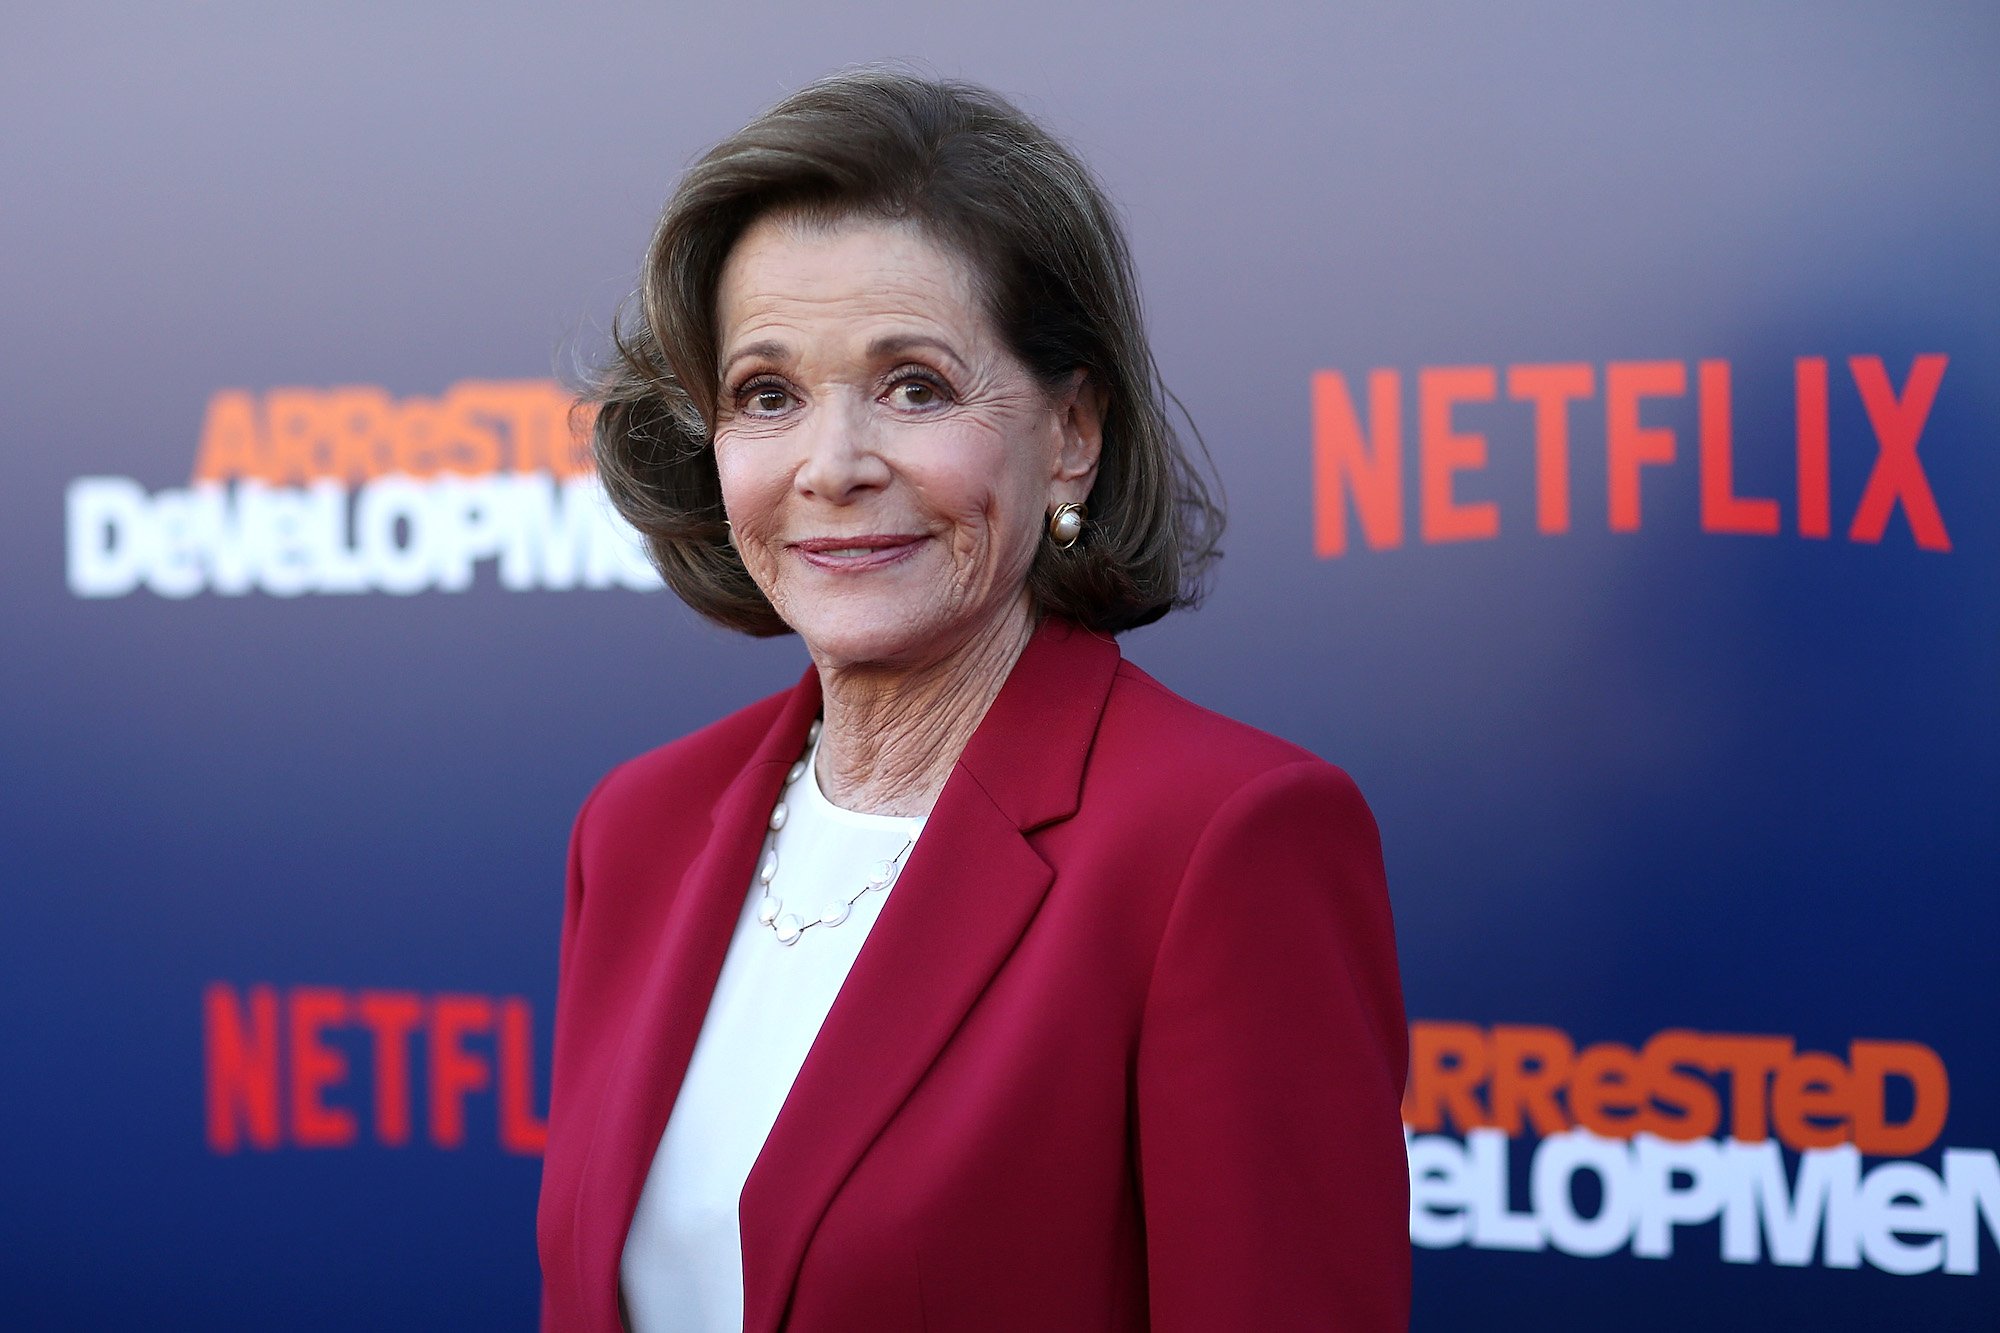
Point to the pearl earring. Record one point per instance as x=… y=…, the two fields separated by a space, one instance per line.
x=1066 y=525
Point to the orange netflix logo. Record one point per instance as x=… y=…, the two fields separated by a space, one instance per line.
x=285 y=1068
x=1359 y=457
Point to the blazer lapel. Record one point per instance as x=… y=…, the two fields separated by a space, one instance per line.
x=653 y=1057
x=965 y=897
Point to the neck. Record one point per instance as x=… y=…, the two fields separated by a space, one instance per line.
x=892 y=734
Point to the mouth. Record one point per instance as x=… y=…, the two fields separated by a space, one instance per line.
x=872 y=551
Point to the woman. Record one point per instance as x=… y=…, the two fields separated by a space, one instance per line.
x=1125 y=1045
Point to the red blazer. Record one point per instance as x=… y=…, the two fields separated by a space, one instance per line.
x=1124 y=1049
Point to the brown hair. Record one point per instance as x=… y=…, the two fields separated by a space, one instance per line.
x=980 y=177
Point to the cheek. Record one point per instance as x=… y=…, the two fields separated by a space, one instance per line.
x=749 y=493
x=1020 y=486
x=997 y=513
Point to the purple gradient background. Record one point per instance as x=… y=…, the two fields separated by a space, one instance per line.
x=1627 y=782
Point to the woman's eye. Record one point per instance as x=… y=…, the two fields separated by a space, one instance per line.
x=919 y=393
x=765 y=400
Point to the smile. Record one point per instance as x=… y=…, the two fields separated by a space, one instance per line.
x=856 y=554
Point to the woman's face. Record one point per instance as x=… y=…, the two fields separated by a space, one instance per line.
x=887 y=463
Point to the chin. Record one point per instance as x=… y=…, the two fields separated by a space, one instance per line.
x=890 y=630
x=851 y=642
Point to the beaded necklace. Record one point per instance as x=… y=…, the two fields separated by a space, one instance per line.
x=789 y=926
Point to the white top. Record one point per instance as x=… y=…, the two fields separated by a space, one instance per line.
x=682 y=1268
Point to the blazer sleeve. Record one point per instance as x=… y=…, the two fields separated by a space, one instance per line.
x=556 y=1300
x=1270 y=1072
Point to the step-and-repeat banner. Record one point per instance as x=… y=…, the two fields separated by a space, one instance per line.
x=1608 y=401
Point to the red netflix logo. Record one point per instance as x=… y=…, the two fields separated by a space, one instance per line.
x=1361 y=468
x=279 y=1061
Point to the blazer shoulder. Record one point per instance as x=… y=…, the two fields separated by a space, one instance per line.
x=1144 y=721
x=1169 y=767
x=661 y=778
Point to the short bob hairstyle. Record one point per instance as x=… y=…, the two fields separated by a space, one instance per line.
x=1050 y=262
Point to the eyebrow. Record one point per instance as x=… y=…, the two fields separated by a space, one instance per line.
x=887 y=345
x=893 y=343
x=768 y=348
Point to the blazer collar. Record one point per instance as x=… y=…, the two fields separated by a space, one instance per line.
x=1028 y=752
x=965 y=896
x=964 y=899
x=673 y=999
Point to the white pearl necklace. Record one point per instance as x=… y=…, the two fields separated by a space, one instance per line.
x=789 y=926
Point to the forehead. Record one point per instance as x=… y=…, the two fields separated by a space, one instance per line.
x=804 y=277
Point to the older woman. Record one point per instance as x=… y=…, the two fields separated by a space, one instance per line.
x=977 y=981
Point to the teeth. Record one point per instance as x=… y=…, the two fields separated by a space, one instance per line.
x=852 y=550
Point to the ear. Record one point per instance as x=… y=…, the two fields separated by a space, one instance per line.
x=1080 y=406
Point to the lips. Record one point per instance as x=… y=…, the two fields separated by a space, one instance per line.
x=864 y=545
x=868 y=551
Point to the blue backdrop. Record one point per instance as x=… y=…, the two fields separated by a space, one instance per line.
x=288 y=759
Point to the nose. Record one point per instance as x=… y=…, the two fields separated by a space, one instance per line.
x=840 y=459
